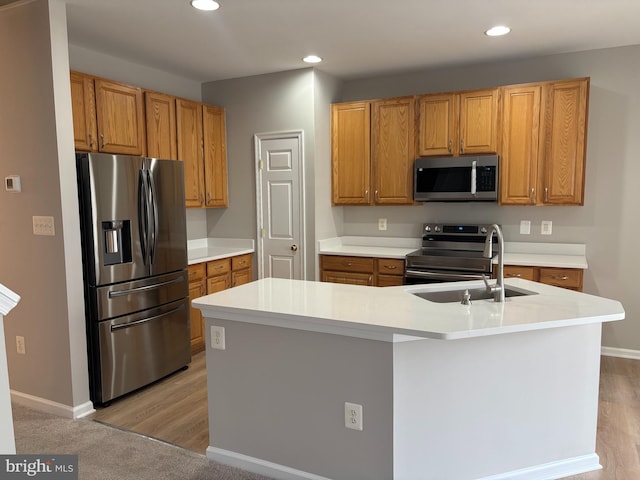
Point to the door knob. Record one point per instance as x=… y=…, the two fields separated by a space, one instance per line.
x=294 y=247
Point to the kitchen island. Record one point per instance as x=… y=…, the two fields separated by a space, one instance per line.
x=489 y=390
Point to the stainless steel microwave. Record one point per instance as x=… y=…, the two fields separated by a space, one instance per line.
x=456 y=179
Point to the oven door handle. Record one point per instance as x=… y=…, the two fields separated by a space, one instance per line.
x=441 y=276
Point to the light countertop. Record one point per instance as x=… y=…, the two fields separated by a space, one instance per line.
x=559 y=255
x=393 y=314
x=207 y=249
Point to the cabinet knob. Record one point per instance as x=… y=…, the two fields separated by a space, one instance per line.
x=533 y=195
x=90 y=136
x=546 y=194
x=450 y=145
x=102 y=141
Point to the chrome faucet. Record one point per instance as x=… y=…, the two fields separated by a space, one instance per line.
x=498 y=288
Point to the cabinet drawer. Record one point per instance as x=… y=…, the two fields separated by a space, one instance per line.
x=527 y=273
x=562 y=277
x=347 y=264
x=241 y=261
x=197 y=272
x=390 y=266
x=390 y=280
x=218 y=267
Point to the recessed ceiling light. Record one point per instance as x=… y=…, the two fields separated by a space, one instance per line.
x=497 y=31
x=208 y=5
x=312 y=59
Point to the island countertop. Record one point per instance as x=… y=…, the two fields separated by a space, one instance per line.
x=394 y=314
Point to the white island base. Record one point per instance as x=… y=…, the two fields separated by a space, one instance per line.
x=512 y=405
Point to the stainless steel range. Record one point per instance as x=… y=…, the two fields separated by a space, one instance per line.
x=450 y=253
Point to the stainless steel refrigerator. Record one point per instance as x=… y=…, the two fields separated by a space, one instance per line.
x=134 y=253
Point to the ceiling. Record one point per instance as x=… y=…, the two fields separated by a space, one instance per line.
x=356 y=38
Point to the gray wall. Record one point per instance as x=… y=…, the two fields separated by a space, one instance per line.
x=261 y=104
x=607 y=223
x=36 y=140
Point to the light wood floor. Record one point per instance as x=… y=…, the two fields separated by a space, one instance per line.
x=175 y=410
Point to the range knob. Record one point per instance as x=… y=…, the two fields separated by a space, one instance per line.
x=427 y=228
x=438 y=228
x=483 y=230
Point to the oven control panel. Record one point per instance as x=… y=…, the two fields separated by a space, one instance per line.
x=456 y=229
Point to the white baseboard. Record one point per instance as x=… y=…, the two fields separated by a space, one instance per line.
x=620 y=352
x=256 y=465
x=553 y=470
x=49 y=406
x=547 y=471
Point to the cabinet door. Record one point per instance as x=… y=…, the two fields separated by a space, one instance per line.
x=120 y=115
x=347 y=277
x=438 y=123
x=161 y=125
x=347 y=263
x=519 y=152
x=570 y=278
x=393 y=127
x=196 y=290
x=351 y=153
x=241 y=277
x=478 y=122
x=83 y=106
x=189 y=135
x=215 y=156
x=218 y=283
x=564 y=142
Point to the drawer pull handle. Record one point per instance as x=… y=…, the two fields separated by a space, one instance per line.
x=518 y=275
x=348 y=264
x=390 y=267
x=559 y=277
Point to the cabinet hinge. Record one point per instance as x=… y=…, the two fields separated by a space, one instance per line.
x=260 y=164
x=262 y=233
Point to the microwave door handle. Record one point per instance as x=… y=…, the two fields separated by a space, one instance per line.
x=473 y=178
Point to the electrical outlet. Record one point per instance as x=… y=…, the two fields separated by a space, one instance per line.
x=20 y=348
x=525 y=227
x=217 y=338
x=546 y=227
x=353 y=416
x=382 y=224
x=43 y=226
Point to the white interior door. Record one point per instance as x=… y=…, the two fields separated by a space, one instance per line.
x=280 y=197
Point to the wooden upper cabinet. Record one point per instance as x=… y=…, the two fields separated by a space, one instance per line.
x=563 y=142
x=544 y=143
x=351 y=153
x=438 y=124
x=160 y=110
x=83 y=106
x=519 y=150
x=458 y=123
x=120 y=118
x=215 y=156
x=393 y=127
x=190 y=151
x=479 y=122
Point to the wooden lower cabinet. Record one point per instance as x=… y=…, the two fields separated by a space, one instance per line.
x=197 y=288
x=211 y=277
x=369 y=271
x=571 y=278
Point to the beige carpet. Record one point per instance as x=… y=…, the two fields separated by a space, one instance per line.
x=106 y=453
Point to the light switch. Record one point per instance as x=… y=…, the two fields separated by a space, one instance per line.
x=525 y=227
x=546 y=227
x=43 y=226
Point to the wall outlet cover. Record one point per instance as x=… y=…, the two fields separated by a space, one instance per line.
x=353 y=416
x=525 y=227
x=382 y=224
x=217 y=338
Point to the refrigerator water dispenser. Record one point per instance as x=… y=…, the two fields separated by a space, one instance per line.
x=117 y=241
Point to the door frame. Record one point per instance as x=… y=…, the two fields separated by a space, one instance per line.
x=257 y=142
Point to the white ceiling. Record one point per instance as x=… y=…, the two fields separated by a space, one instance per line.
x=357 y=38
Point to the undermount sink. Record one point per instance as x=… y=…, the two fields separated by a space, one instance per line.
x=451 y=296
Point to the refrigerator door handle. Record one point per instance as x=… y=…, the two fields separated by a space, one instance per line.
x=153 y=217
x=129 y=291
x=143 y=224
x=145 y=320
